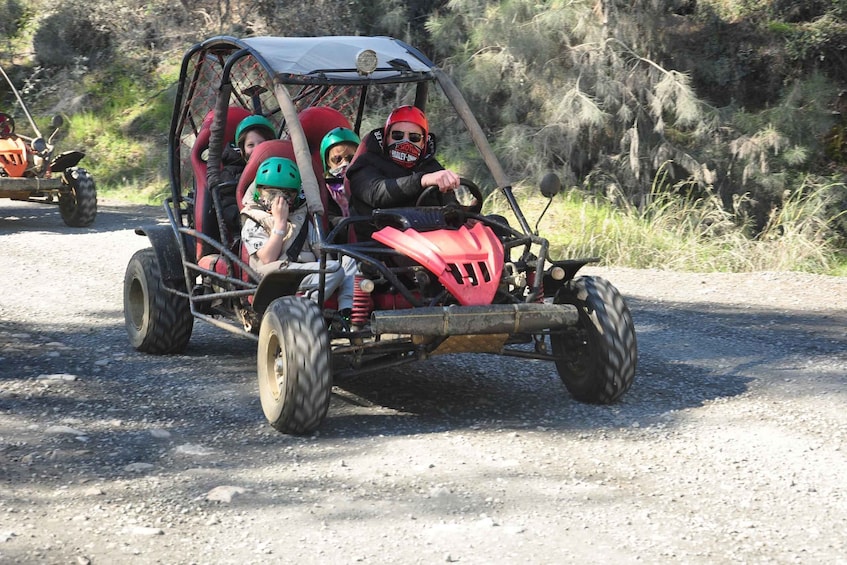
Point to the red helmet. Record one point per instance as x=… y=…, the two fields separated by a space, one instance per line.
x=411 y=114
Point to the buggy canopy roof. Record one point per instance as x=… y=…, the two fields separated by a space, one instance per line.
x=333 y=59
x=308 y=62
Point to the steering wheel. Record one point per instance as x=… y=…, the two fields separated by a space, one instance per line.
x=471 y=202
x=7 y=125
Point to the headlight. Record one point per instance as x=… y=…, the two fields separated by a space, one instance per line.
x=557 y=273
x=366 y=61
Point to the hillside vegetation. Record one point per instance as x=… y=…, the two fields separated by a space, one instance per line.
x=714 y=124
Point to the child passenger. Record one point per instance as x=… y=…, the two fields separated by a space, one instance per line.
x=278 y=235
x=337 y=150
x=251 y=131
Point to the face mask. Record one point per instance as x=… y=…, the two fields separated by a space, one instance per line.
x=338 y=171
x=294 y=200
x=404 y=153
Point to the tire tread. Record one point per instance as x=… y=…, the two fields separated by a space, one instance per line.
x=79 y=208
x=608 y=325
x=170 y=322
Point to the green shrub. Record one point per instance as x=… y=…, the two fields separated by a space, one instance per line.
x=11 y=15
x=69 y=35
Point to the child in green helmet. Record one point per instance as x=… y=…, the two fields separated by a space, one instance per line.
x=251 y=131
x=338 y=147
x=278 y=235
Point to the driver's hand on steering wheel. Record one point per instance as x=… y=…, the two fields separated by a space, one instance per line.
x=445 y=180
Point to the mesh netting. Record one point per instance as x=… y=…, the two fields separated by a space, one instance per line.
x=251 y=84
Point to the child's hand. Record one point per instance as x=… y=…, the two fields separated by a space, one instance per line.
x=279 y=210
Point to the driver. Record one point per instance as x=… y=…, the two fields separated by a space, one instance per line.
x=7 y=125
x=398 y=162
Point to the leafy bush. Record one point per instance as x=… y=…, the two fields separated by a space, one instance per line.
x=11 y=15
x=70 y=35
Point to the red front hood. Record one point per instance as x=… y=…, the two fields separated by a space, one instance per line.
x=467 y=261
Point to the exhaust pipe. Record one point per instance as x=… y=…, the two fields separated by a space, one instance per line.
x=467 y=320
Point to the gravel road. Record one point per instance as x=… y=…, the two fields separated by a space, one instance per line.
x=731 y=446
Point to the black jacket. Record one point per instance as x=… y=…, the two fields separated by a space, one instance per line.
x=378 y=182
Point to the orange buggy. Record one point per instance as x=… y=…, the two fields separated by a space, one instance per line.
x=30 y=172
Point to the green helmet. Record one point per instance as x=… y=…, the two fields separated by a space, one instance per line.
x=255 y=121
x=279 y=172
x=282 y=174
x=333 y=138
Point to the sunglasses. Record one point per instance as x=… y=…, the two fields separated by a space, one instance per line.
x=338 y=159
x=414 y=137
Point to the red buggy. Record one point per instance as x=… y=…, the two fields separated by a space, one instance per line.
x=432 y=280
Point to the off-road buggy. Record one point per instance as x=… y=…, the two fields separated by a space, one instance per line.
x=433 y=280
x=30 y=172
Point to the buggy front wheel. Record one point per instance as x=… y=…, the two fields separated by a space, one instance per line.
x=294 y=371
x=596 y=360
x=78 y=206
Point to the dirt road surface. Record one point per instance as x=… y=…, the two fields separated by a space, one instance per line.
x=731 y=446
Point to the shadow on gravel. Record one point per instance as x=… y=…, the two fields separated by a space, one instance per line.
x=31 y=217
x=707 y=351
x=87 y=402
x=689 y=356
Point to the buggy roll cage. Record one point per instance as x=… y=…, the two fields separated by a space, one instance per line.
x=295 y=73
x=405 y=65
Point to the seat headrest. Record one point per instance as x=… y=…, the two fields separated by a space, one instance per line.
x=317 y=121
x=234 y=115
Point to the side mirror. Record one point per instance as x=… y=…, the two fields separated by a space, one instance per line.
x=57 y=121
x=551 y=185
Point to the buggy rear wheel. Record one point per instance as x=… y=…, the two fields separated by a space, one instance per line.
x=78 y=205
x=157 y=321
x=295 y=376
x=596 y=360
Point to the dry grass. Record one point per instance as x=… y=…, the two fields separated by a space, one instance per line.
x=675 y=233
